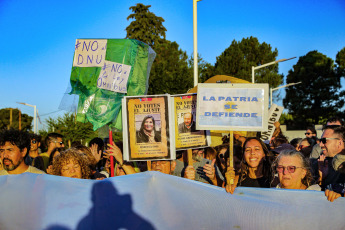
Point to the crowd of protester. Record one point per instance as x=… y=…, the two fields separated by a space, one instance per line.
x=305 y=163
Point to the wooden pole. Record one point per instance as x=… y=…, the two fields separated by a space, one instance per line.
x=10 y=118
x=230 y=173
x=149 y=166
x=190 y=157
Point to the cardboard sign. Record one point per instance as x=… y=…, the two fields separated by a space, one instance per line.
x=240 y=107
x=184 y=117
x=146 y=128
x=114 y=77
x=274 y=115
x=89 y=52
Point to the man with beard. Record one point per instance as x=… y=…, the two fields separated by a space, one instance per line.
x=14 y=145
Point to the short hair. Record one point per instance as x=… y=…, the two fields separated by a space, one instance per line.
x=52 y=136
x=335 y=119
x=294 y=142
x=99 y=142
x=52 y=154
x=312 y=129
x=190 y=114
x=21 y=139
x=339 y=130
x=36 y=137
x=279 y=140
x=74 y=155
x=308 y=179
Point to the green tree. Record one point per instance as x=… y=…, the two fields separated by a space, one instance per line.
x=170 y=72
x=319 y=95
x=237 y=61
x=71 y=129
x=146 y=26
x=340 y=60
x=205 y=69
x=5 y=115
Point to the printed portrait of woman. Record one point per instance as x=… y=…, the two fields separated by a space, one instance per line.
x=148 y=132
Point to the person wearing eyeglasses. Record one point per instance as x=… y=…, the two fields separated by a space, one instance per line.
x=294 y=171
x=331 y=143
x=52 y=141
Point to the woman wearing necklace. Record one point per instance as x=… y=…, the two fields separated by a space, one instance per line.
x=148 y=132
x=255 y=168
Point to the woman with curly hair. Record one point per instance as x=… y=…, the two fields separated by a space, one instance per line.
x=71 y=164
x=255 y=169
x=294 y=171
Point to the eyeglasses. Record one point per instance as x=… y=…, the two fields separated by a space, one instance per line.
x=290 y=169
x=307 y=133
x=33 y=141
x=324 y=139
x=61 y=143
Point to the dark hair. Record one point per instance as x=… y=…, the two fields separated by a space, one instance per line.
x=52 y=136
x=339 y=130
x=278 y=140
x=143 y=122
x=99 y=142
x=335 y=119
x=51 y=157
x=21 y=139
x=308 y=179
x=36 y=137
x=294 y=142
x=266 y=161
x=312 y=129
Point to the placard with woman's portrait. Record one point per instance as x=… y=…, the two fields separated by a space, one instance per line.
x=146 y=128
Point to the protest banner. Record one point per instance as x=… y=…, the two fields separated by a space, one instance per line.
x=103 y=72
x=146 y=128
x=183 y=115
x=273 y=115
x=240 y=107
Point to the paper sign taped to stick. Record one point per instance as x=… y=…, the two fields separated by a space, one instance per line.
x=114 y=77
x=146 y=128
x=241 y=107
x=274 y=115
x=184 y=117
x=89 y=52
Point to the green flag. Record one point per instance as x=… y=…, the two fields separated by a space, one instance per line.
x=103 y=72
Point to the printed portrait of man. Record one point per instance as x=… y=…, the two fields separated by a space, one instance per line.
x=188 y=124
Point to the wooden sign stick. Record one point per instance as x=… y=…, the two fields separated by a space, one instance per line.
x=148 y=165
x=230 y=173
x=190 y=157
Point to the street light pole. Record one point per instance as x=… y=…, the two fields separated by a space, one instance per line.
x=267 y=64
x=195 y=40
x=35 y=115
x=271 y=90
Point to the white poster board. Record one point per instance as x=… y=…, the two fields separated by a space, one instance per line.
x=274 y=115
x=240 y=107
x=89 y=52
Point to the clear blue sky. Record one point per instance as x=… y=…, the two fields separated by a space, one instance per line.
x=38 y=37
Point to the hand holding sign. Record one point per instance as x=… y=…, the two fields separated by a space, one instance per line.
x=189 y=173
x=210 y=170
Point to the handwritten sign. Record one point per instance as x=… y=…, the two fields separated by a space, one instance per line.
x=90 y=52
x=241 y=107
x=146 y=128
x=114 y=77
x=274 y=115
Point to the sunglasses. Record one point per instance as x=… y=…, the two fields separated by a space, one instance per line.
x=290 y=169
x=307 y=133
x=33 y=141
x=58 y=142
x=324 y=139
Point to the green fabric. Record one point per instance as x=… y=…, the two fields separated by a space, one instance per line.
x=100 y=106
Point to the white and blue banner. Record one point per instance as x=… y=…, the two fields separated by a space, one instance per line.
x=153 y=200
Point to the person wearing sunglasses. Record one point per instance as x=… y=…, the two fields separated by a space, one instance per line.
x=293 y=171
x=331 y=143
x=310 y=132
x=34 y=148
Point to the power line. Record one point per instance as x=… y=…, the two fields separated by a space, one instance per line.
x=50 y=113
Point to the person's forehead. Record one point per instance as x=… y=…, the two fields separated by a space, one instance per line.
x=8 y=145
x=188 y=115
x=290 y=160
x=309 y=131
x=252 y=143
x=327 y=133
